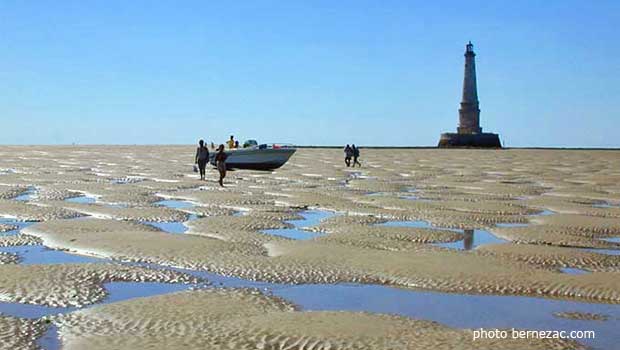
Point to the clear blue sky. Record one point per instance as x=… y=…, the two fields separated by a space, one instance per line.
x=312 y=72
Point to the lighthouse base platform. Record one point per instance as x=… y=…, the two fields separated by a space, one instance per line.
x=482 y=140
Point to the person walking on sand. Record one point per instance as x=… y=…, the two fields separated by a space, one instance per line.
x=231 y=142
x=356 y=154
x=348 y=153
x=202 y=158
x=220 y=162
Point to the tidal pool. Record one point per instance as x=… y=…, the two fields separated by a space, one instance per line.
x=176 y=227
x=26 y=196
x=472 y=238
x=19 y=224
x=39 y=254
x=82 y=199
x=175 y=204
x=573 y=271
x=311 y=218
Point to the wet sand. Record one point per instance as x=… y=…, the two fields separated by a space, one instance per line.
x=439 y=195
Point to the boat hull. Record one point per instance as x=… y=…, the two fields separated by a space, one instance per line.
x=257 y=159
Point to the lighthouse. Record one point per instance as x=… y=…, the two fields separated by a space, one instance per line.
x=469 y=133
x=469 y=113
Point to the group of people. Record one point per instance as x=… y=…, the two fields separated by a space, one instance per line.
x=202 y=158
x=351 y=152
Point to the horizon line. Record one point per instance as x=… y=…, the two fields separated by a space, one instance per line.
x=576 y=148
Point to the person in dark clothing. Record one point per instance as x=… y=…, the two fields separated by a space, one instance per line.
x=202 y=157
x=220 y=162
x=356 y=154
x=348 y=153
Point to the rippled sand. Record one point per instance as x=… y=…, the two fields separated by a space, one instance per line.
x=17 y=333
x=451 y=190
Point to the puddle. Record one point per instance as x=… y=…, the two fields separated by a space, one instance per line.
x=50 y=339
x=31 y=311
x=38 y=254
x=176 y=227
x=170 y=227
x=544 y=213
x=27 y=196
x=311 y=218
x=82 y=200
x=606 y=205
x=19 y=224
x=573 y=271
x=461 y=311
x=603 y=251
x=117 y=291
x=612 y=239
x=471 y=238
x=175 y=204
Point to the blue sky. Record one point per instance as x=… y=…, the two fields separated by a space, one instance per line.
x=312 y=72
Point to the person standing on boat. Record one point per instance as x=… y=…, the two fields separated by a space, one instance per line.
x=220 y=162
x=356 y=154
x=202 y=157
x=348 y=153
x=231 y=142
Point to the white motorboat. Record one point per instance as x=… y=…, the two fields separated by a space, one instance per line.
x=256 y=157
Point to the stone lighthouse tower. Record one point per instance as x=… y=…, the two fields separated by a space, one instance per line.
x=469 y=113
x=469 y=133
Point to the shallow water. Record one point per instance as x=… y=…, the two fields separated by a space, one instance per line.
x=82 y=199
x=38 y=254
x=50 y=339
x=20 y=225
x=606 y=205
x=471 y=238
x=175 y=204
x=31 y=311
x=603 y=251
x=612 y=239
x=462 y=311
x=573 y=271
x=26 y=196
x=117 y=291
x=176 y=227
x=311 y=218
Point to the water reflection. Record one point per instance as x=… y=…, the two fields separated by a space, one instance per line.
x=468 y=239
